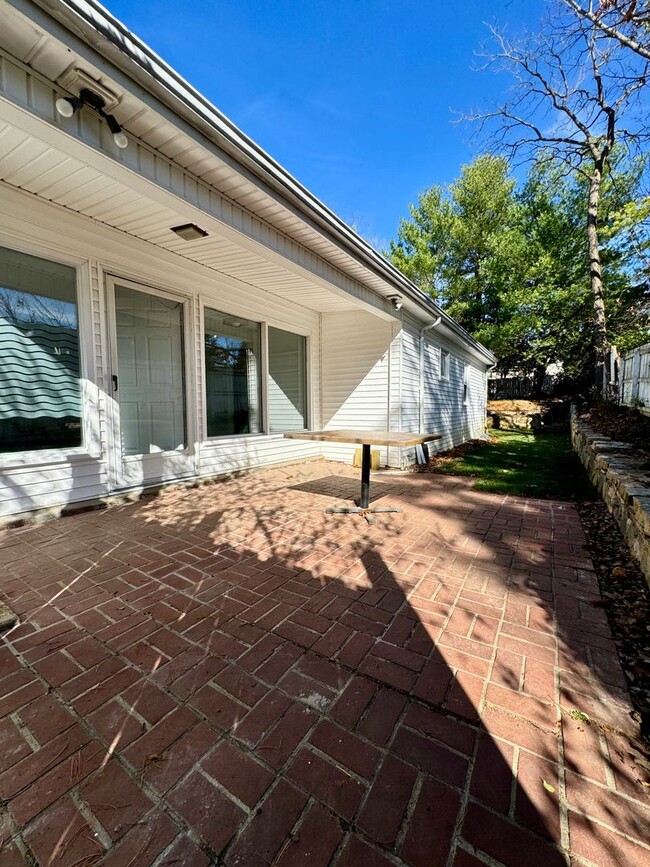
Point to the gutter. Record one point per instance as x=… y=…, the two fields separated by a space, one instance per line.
x=243 y=149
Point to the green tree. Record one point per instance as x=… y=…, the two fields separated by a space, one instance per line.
x=513 y=268
x=627 y=232
x=463 y=244
x=574 y=98
x=552 y=312
x=422 y=249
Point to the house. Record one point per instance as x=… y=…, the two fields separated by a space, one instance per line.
x=171 y=299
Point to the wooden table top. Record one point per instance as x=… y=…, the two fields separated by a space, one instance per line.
x=365 y=437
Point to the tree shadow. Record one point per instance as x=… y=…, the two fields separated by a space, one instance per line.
x=348 y=668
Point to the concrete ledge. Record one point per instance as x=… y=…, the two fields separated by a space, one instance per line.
x=619 y=477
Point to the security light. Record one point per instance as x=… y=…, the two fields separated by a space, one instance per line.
x=119 y=137
x=68 y=105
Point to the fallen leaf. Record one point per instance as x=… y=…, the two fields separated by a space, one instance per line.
x=152 y=759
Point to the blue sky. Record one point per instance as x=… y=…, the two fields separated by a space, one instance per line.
x=353 y=97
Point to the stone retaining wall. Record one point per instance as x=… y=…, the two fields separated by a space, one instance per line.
x=618 y=475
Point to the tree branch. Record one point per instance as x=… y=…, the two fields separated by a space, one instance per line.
x=613 y=32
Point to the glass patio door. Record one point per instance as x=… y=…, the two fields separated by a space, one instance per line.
x=149 y=385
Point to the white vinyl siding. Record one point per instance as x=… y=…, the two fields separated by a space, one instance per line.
x=476 y=402
x=410 y=401
x=394 y=457
x=356 y=360
x=445 y=411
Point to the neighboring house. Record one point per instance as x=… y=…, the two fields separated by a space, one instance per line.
x=135 y=350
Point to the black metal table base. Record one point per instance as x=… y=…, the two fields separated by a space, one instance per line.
x=363 y=508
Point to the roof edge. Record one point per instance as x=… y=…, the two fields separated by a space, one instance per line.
x=239 y=145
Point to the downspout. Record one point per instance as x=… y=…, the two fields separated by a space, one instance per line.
x=422 y=332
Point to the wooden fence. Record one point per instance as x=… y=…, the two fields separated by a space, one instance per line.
x=634 y=377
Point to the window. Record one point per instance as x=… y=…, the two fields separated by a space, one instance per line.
x=444 y=364
x=465 y=384
x=232 y=374
x=40 y=369
x=287 y=381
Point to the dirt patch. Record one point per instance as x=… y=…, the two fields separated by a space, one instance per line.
x=513 y=414
x=621 y=423
x=518 y=406
x=626 y=599
x=435 y=462
x=538 y=415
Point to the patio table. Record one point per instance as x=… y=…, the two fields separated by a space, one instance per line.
x=365 y=439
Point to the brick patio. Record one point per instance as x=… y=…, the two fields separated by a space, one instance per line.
x=225 y=675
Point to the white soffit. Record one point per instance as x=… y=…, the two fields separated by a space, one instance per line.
x=33 y=165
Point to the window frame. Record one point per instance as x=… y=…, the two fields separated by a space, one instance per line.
x=466 y=384
x=219 y=438
x=308 y=391
x=90 y=446
x=445 y=355
x=265 y=324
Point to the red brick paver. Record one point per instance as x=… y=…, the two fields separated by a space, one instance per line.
x=226 y=675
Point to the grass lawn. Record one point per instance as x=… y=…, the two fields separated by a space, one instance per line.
x=524 y=465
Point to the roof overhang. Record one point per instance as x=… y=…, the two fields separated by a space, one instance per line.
x=96 y=37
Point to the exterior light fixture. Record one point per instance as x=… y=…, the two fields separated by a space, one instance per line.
x=119 y=137
x=68 y=105
x=189 y=232
x=396 y=301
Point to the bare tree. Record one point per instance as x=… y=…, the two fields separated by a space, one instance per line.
x=28 y=309
x=627 y=21
x=572 y=93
